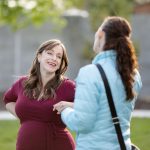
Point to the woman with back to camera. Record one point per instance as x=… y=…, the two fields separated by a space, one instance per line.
x=32 y=97
x=90 y=117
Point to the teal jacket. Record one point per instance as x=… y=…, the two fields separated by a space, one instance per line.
x=91 y=117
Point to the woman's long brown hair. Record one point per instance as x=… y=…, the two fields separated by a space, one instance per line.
x=33 y=84
x=117 y=31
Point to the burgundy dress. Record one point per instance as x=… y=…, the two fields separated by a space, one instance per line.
x=41 y=127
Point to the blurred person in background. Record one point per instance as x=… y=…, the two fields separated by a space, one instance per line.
x=31 y=100
x=90 y=115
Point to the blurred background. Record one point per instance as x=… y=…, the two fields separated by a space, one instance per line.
x=25 y=24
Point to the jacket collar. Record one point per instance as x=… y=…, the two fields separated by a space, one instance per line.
x=103 y=55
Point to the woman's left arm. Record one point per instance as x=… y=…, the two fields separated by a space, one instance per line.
x=82 y=116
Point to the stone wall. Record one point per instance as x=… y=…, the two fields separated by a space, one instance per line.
x=141 y=35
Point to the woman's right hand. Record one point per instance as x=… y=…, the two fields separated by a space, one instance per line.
x=61 y=106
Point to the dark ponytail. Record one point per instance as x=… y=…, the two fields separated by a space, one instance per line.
x=126 y=64
x=117 y=32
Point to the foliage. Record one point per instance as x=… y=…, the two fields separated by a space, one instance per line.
x=99 y=9
x=21 y=13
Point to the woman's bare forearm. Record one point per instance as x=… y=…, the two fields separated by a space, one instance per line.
x=11 y=108
x=71 y=104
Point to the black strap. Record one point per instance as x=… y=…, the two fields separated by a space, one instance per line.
x=115 y=118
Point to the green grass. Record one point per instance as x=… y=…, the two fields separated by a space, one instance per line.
x=140 y=133
x=8 y=134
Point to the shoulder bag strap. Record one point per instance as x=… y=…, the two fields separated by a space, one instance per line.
x=115 y=118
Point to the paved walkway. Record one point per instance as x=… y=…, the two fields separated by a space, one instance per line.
x=137 y=113
x=141 y=113
x=4 y=115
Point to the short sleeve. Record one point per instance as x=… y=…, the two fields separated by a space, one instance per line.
x=11 y=94
x=70 y=90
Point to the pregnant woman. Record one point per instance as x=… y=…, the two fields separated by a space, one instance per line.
x=31 y=99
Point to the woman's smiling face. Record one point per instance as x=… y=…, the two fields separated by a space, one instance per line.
x=50 y=60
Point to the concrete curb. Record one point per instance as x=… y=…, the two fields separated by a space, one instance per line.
x=4 y=115
x=141 y=113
